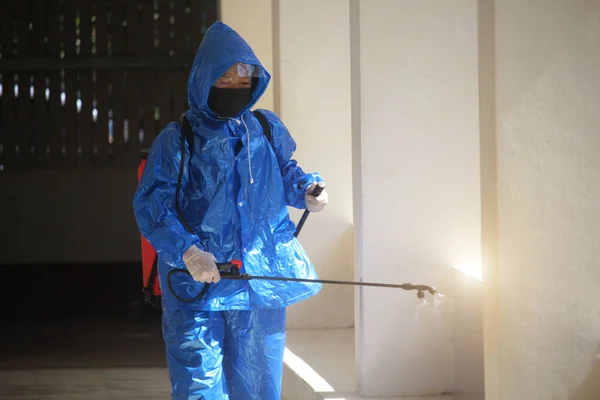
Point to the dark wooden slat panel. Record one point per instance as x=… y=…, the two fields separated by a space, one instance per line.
x=211 y=8
x=157 y=101
x=85 y=29
x=174 y=112
x=100 y=9
x=146 y=28
x=23 y=121
x=202 y=15
x=37 y=64
x=2 y=134
x=148 y=103
x=7 y=113
x=39 y=110
x=40 y=122
x=86 y=126
x=118 y=104
x=133 y=116
x=39 y=29
x=9 y=126
x=7 y=17
x=69 y=36
x=118 y=42
x=163 y=27
x=55 y=123
x=132 y=30
x=182 y=26
x=23 y=19
x=52 y=22
x=70 y=109
x=70 y=120
x=2 y=130
x=22 y=105
x=180 y=98
x=163 y=90
x=39 y=55
x=77 y=128
x=52 y=25
x=110 y=27
x=101 y=138
x=112 y=24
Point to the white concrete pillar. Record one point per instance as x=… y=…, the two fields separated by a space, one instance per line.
x=314 y=103
x=306 y=47
x=489 y=209
x=547 y=98
x=416 y=183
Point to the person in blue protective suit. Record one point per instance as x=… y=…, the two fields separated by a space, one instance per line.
x=235 y=192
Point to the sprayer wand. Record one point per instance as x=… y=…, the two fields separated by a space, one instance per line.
x=231 y=270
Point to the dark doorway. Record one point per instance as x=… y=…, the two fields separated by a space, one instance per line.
x=84 y=87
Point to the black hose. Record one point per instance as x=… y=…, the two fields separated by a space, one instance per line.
x=316 y=192
x=180 y=178
x=172 y=290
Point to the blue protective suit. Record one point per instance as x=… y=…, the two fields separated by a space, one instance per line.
x=236 y=204
x=233 y=355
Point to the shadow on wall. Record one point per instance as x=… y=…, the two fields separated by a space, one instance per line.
x=330 y=246
x=590 y=387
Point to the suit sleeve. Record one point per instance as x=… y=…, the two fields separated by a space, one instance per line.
x=295 y=180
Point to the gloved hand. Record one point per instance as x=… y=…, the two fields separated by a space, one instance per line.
x=201 y=265
x=315 y=204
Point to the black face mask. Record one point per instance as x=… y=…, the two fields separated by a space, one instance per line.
x=228 y=102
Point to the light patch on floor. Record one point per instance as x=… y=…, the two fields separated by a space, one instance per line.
x=319 y=365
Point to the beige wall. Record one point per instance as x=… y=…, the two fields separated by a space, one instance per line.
x=254 y=21
x=548 y=202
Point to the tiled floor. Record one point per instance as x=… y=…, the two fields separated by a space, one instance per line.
x=110 y=359
x=78 y=384
x=82 y=343
x=329 y=355
x=92 y=359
